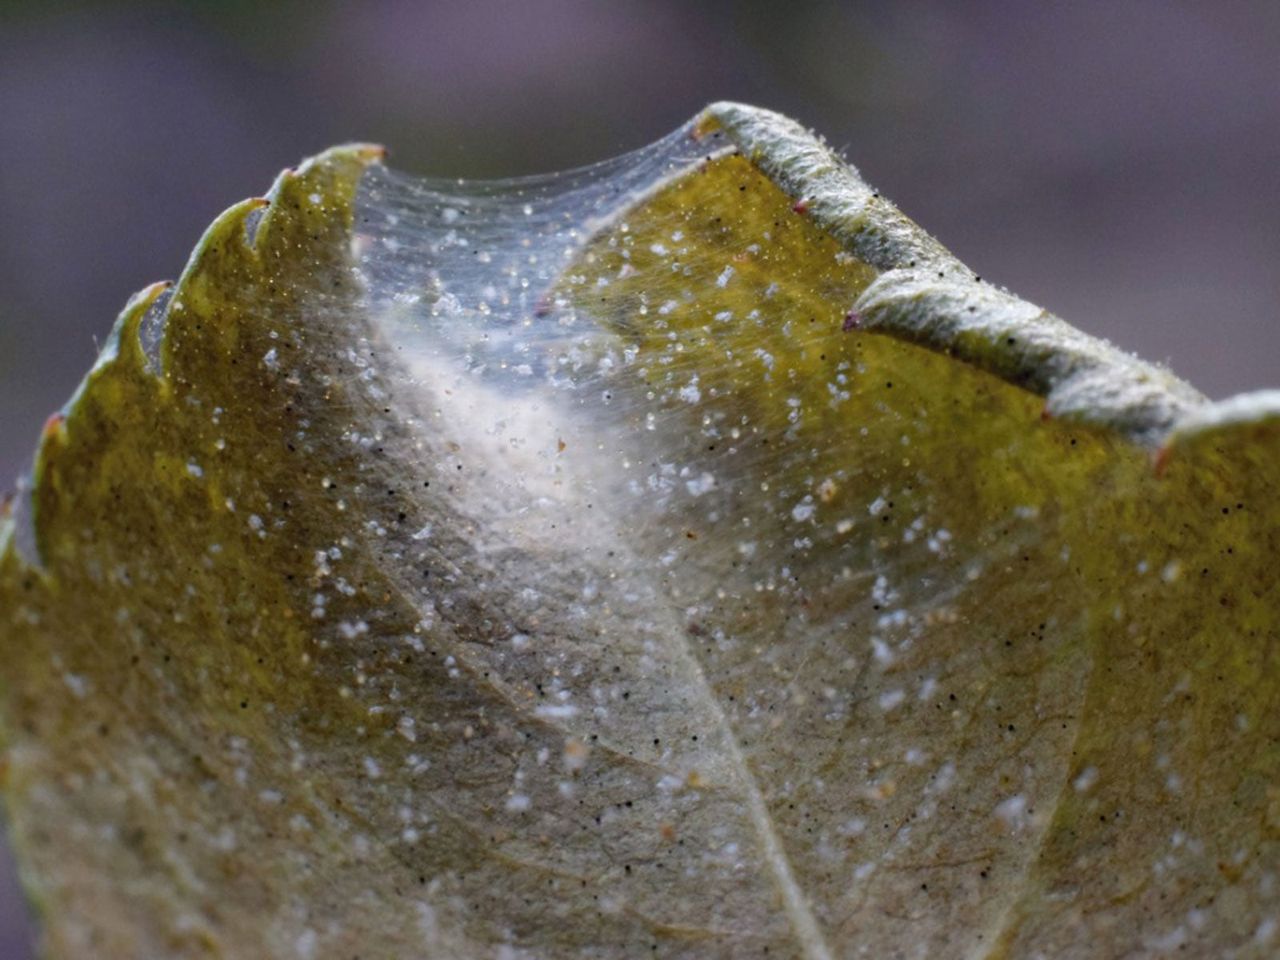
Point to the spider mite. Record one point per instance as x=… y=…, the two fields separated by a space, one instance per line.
x=852 y=321
x=801 y=206
x=700 y=130
x=53 y=424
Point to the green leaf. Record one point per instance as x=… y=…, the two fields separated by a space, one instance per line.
x=684 y=557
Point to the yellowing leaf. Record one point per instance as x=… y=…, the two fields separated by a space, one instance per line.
x=684 y=557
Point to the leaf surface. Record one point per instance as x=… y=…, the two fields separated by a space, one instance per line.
x=682 y=557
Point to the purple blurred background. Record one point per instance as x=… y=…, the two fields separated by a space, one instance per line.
x=1118 y=163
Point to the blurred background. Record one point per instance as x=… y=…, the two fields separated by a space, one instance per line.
x=1117 y=163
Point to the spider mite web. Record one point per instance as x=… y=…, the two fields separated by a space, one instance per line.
x=636 y=392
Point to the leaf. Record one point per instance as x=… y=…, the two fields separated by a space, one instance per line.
x=681 y=557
